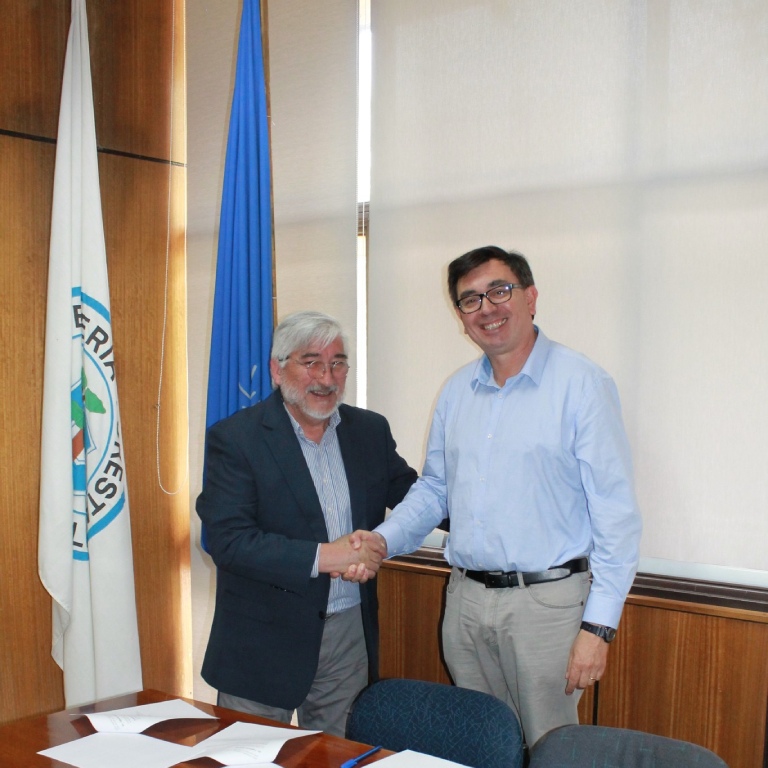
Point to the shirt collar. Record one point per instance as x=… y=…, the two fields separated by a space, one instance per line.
x=533 y=368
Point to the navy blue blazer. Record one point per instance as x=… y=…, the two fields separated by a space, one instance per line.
x=263 y=522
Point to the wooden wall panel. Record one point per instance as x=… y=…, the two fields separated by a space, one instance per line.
x=691 y=674
x=29 y=679
x=138 y=88
x=136 y=195
x=133 y=75
x=34 y=41
x=132 y=88
x=410 y=614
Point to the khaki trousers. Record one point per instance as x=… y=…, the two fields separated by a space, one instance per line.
x=514 y=643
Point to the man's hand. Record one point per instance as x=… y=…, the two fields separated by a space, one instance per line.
x=589 y=655
x=377 y=544
x=356 y=556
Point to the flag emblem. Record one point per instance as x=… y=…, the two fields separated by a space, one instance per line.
x=97 y=453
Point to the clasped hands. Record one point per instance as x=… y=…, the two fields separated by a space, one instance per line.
x=355 y=557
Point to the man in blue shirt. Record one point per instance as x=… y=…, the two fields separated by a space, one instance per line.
x=528 y=458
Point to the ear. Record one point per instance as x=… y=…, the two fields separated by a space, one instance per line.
x=531 y=294
x=275 y=371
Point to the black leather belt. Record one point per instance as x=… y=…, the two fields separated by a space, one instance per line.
x=499 y=579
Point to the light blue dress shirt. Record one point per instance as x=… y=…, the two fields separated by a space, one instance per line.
x=532 y=474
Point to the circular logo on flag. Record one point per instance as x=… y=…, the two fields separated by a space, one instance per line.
x=98 y=468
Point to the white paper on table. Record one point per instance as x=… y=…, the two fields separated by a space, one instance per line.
x=410 y=759
x=246 y=743
x=119 y=750
x=138 y=719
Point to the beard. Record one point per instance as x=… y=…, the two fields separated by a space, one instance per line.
x=296 y=397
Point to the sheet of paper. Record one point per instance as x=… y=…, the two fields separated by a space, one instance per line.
x=246 y=743
x=119 y=750
x=410 y=759
x=138 y=719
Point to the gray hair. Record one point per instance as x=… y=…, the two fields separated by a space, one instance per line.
x=301 y=329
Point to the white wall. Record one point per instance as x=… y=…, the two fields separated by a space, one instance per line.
x=623 y=147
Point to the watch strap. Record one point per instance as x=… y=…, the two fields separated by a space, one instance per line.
x=606 y=633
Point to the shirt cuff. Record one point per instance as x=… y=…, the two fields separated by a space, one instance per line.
x=602 y=610
x=392 y=534
x=316 y=565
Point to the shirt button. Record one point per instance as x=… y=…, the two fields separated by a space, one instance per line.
x=490 y=436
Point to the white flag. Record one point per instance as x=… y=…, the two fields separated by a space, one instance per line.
x=84 y=552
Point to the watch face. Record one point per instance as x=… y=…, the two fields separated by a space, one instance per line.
x=608 y=634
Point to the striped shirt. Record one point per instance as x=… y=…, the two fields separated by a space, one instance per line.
x=327 y=469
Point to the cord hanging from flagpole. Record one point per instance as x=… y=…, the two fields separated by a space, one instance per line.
x=158 y=404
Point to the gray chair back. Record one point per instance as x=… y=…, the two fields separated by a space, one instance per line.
x=585 y=746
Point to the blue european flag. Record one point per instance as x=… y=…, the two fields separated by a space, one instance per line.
x=241 y=333
x=238 y=375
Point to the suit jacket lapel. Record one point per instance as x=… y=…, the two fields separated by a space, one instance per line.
x=353 y=466
x=287 y=454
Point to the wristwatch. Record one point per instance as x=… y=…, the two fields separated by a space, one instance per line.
x=607 y=633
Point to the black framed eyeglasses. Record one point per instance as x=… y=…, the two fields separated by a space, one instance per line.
x=496 y=295
x=317 y=368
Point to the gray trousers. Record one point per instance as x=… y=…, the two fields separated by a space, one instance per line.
x=514 y=643
x=342 y=673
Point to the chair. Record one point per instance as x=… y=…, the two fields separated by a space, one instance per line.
x=468 y=727
x=585 y=746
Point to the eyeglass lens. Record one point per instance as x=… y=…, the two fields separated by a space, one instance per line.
x=497 y=295
x=317 y=368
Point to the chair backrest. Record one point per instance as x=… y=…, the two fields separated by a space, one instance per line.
x=584 y=746
x=468 y=727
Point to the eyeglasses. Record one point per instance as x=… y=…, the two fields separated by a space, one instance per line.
x=496 y=295
x=316 y=368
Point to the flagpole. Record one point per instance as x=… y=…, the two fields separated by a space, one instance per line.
x=267 y=88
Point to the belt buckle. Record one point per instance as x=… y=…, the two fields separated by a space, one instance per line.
x=508 y=579
x=492 y=579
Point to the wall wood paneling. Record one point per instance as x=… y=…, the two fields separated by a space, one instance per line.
x=137 y=60
x=690 y=670
x=27 y=673
x=410 y=612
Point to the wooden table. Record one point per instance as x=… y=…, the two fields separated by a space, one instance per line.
x=20 y=741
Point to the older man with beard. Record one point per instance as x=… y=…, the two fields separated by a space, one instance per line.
x=287 y=481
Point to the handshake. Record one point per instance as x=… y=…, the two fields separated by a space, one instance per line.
x=355 y=557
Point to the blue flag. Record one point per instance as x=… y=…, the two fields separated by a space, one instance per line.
x=238 y=375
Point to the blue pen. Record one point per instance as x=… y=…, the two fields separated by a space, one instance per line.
x=355 y=760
